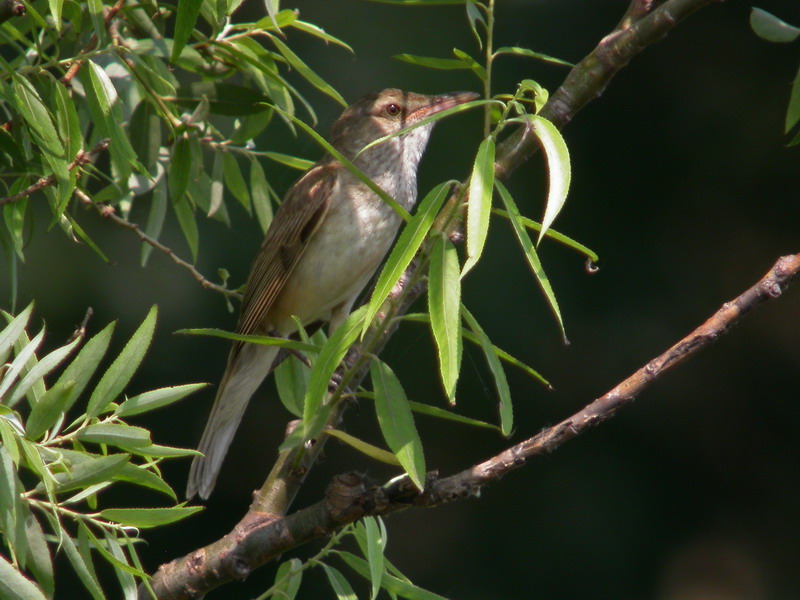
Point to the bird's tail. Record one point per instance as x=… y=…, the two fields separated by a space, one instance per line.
x=245 y=372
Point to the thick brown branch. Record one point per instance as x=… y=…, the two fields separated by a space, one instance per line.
x=83 y=158
x=590 y=77
x=259 y=538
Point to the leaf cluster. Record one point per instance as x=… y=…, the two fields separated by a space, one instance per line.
x=54 y=468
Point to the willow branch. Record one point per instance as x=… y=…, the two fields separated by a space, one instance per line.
x=259 y=538
x=83 y=158
x=108 y=212
x=589 y=78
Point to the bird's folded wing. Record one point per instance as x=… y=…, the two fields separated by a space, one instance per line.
x=295 y=222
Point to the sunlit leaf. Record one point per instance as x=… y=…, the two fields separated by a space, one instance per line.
x=366 y=448
x=122 y=369
x=156 y=399
x=186 y=17
x=517 y=51
x=288 y=577
x=531 y=256
x=15 y=586
x=144 y=518
x=771 y=28
x=479 y=203
x=406 y=247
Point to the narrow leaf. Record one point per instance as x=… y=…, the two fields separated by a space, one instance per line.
x=340 y=585
x=517 y=51
x=122 y=369
x=259 y=193
x=288 y=577
x=397 y=422
x=186 y=17
x=149 y=517
x=12 y=331
x=531 y=255
x=366 y=448
x=500 y=381
x=771 y=28
x=444 y=305
x=306 y=71
x=115 y=435
x=47 y=411
x=90 y=471
x=375 y=545
x=406 y=248
x=81 y=369
x=84 y=571
x=558 y=168
x=156 y=399
x=479 y=203
x=15 y=586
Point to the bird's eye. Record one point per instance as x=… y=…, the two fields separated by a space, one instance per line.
x=392 y=110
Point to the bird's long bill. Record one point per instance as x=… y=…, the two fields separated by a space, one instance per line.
x=441 y=103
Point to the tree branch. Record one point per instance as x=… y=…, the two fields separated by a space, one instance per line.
x=259 y=538
x=82 y=158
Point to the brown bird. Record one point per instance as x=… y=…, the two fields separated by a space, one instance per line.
x=323 y=246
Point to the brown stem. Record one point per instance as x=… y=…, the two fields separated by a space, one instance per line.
x=259 y=538
x=109 y=213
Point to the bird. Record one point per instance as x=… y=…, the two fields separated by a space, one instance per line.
x=324 y=244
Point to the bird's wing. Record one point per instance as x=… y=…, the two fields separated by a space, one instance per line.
x=295 y=222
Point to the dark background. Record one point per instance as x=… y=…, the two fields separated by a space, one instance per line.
x=683 y=185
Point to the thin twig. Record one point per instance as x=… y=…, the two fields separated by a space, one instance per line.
x=81 y=159
x=108 y=212
x=259 y=538
x=76 y=66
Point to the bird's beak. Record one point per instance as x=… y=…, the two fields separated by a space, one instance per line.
x=441 y=103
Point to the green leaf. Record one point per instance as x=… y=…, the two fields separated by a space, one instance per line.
x=42 y=368
x=291 y=379
x=12 y=511
x=500 y=381
x=186 y=17
x=262 y=340
x=442 y=64
x=82 y=568
x=366 y=448
x=340 y=585
x=444 y=305
x=101 y=97
x=185 y=215
x=771 y=28
x=88 y=470
x=68 y=122
x=479 y=203
x=293 y=162
x=327 y=362
x=157 y=451
x=296 y=63
x=474 y=65
x=405 y=249
x=517 y=51
x=126 y=578
x=375 y=545
x=47 y=411
x=145 y=518
x=318 y=32
x=25 y=359
x=235 y=181
x=793 y=111
x=12 y=331
x=37 y=115
x=288 y=577
x=475 y=16
x=142 y=477
x=81 y=369
x=15 y=586
x=115 y=435
x=39 y=560
x=217 y=191
x=259 y=193
x=397 y=422
x=120 y=372
x=251 y=125
x=392 y=584
x=156 y=399
x=156 y=216
x=145 y=134
x=440 y=413
x=558 y=168
x=554 y=235
x=180 y=169
x=531 y=256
